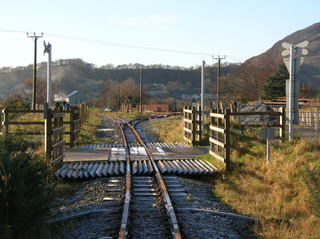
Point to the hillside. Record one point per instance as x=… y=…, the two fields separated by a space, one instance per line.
x=254 y=72
x=75 y=74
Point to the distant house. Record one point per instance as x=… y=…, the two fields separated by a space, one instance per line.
x=75 y=98
x=157 y=108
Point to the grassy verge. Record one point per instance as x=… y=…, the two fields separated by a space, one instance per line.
x=217 y=163
x=168 y=129
x=89 y=129
x=276 y=193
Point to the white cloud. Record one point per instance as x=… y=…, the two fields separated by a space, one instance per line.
x=157 y=22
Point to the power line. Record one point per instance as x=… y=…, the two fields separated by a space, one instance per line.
x=123 y=45
x=115 y=44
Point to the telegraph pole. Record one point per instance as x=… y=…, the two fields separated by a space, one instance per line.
x=141 y=85
x=218 y=78
x=35 y=37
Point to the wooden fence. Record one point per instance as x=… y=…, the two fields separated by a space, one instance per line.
x=51 y=126
x=220 y=131
x=54 y=140
x=192 y=124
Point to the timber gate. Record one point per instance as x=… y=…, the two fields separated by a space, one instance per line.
x=48 y=123
x=192 y=124
x=54 y=141
x=74 y=125
x=220 y=131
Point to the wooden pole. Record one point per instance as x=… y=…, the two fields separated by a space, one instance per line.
x=71 y=127
x=193 y=126
x=48 y=133
x=227 y=139
x=282 y=119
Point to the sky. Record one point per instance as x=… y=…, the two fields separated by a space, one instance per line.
x=173 y=32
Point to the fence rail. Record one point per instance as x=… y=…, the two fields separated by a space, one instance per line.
x=192 y=124
x=219 y=139
x=54 y=140
x=220 y=131
x=50 y=124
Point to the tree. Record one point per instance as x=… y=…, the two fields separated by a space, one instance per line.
x=276 y=84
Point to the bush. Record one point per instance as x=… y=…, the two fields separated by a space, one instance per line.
x=25 y=194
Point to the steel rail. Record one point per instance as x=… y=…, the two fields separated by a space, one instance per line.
x=174 y=226
x=126 y=205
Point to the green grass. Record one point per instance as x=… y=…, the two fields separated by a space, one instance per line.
x=276 y=193
x=169 y=129
x=89 y=129
x=209 y=158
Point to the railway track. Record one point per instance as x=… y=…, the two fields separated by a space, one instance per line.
x=139 y=185
x=141 y=194
x=147 y=202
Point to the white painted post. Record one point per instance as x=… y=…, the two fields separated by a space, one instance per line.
x=49 y=94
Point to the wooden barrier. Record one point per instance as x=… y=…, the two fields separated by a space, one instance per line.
x=74 y=126
x=220 y=131
x=51 y=125
x=54 y=141
x=220 y=137
x=192 y=124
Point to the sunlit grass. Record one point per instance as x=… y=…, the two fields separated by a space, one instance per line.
x=169 y=129
x=275 y=192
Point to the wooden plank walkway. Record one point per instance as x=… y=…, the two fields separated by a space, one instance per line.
x=78 y=155
x=95 y=152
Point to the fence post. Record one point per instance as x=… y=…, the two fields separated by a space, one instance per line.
x=227 y=139
x=87 y=112
x=82 y=113
x=199 y=120
x=5 y=119
x=71 y=127
x=48 y=133
x=193 y=125
x=282 y=119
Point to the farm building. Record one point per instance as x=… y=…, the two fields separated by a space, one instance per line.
x=75 y=98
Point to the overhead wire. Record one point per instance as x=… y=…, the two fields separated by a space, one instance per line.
x=122 y=45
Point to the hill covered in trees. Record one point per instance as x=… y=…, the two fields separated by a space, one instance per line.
x=160 y=81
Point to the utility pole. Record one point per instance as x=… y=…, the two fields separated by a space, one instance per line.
x=35 y=37
x=47 y=49
x=202 y=95
x=218 y=78
x=141 y=85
